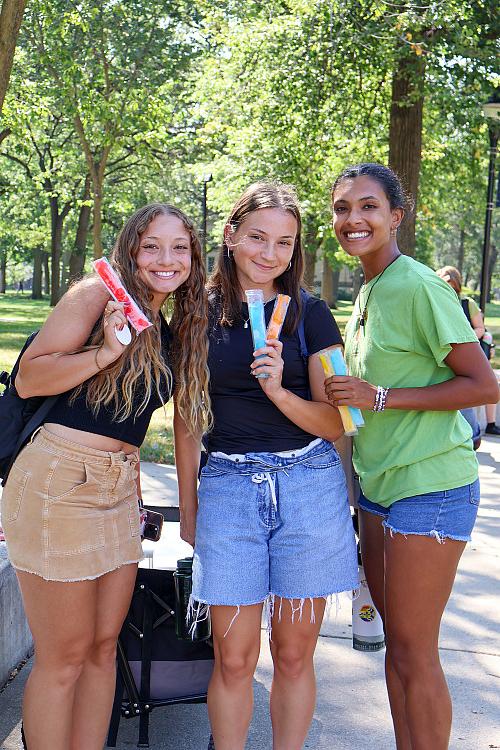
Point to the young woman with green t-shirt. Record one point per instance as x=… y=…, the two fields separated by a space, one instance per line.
x=414 y=361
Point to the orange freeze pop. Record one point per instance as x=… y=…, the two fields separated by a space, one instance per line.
x=278 y=316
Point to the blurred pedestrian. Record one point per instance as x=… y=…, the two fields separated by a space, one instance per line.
x=453 y=277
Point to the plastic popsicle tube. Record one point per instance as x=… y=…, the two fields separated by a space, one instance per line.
x=278 y=316
x=334 y=364
x=255 y=300
x=113 y=284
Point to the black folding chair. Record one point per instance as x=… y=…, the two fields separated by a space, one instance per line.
x=155 y=668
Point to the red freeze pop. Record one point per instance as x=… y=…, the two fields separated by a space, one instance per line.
x=112 y=282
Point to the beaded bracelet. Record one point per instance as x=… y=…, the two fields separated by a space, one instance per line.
x=380 y=398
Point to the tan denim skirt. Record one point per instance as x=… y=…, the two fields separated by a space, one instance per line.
x=70 y=513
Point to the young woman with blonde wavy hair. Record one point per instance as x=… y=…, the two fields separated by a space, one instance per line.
x=70 y=505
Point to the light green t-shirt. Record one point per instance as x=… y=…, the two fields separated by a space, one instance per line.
x=412 y=318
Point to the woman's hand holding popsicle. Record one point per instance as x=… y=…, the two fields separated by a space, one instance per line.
x=111 y=348
x=270 y=363
x=346 y=390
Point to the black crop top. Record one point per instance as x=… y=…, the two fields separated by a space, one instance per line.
x=133 y=429
x=245 y=419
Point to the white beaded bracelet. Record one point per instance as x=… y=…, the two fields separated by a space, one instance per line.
x=380 y=398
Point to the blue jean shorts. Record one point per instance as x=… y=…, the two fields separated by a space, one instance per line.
x=446 y=514
x=273 y=524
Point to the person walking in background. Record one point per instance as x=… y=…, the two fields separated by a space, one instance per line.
x=453 y=277
x=70 y=507
x=413 y=361
x=271 y=517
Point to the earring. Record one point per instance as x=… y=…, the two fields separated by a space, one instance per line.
x=394 y=232
x=228 y=253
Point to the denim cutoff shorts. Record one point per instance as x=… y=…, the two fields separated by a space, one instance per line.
x=273 y=524
x=446 y=514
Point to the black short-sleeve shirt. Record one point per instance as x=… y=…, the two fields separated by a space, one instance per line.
x=245 y=419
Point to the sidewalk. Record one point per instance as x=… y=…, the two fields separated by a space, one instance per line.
x=352 y=710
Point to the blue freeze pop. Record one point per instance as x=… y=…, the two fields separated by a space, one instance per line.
x=340 y=367
x=255 y=300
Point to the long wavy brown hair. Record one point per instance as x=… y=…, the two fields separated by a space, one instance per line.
x=141 y=366
x=223 y=285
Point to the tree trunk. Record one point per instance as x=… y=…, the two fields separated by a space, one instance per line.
x=309 y=268
x=46 y=273
x=97 y=227
x=3 y=271
x=335 y=289
x=11 y=16
x=66 y=255
x=56 y=227
x=327 y=283
x=461 y=251
x=76 y=266
x=357 y=280
x=96 y=167
x=55 y=250
x=405 y=134
x=77 y=259
x=36 y=291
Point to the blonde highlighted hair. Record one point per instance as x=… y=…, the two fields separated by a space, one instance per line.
x=141 y=365
x=452 y=276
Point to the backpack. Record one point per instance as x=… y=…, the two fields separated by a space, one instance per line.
x=486 y=340
x=19 y=417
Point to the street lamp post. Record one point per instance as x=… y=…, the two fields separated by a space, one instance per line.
x=207 y=178
x=491 y=111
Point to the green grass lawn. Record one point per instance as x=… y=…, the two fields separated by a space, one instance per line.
x=20 y=315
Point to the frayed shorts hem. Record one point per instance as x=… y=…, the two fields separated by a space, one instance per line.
x=261 y=600
x=199 y=610
x=443 y=514
x=439 y=536
x=77 y=580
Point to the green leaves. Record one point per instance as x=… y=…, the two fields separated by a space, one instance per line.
x=148 y=97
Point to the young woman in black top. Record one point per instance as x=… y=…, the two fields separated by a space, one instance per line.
x=271 y=516
x=70 y=505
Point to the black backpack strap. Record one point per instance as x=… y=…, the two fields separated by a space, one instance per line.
x=304 y=353
x=33 y=424
x=8 y=379
x=465 y=308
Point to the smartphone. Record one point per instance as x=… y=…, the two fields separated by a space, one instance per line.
x=151 y=525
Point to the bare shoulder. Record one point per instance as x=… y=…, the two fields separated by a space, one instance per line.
x=70 y=323
x=88 y=290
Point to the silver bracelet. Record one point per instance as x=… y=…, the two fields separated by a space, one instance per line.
x=380 y=398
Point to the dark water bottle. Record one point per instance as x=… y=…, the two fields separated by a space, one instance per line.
x=200 y=616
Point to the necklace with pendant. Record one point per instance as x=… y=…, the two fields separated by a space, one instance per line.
x=247 y=321
x=363 y=315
